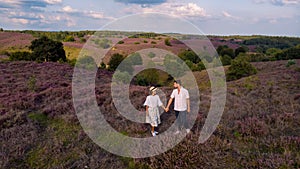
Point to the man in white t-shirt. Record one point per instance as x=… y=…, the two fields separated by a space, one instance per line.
x=181 y=105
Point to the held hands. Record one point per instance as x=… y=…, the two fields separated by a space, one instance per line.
x=166 y=109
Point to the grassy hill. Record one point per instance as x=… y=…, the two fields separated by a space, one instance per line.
x=12 y=41
x=260 y=127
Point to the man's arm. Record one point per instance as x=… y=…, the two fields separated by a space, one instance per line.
x=169 y=103
x=188 y=105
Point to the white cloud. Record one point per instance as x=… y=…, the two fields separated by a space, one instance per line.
x=291 y=2
x=11 y=1
x=84 y=13
x=278 y=2
x=190 y=9
x=97 y=15
x=53 y=1
x=228 y=15
x=20 y=21
x=175 y=9
x=68 y=9
x=94 y=14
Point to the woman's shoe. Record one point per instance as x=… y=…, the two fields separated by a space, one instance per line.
x=153 y=134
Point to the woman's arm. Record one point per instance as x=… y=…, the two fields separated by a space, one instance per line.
x=147 y=110
x=164 y=108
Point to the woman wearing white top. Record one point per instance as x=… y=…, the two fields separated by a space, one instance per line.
x=152 y=112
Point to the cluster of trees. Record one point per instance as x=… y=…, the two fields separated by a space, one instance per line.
x=67 y=36
x=42 y=50
x=289 y=53
x=146 y=35
x=226 y=54
x=268 y=49
x=264 y=43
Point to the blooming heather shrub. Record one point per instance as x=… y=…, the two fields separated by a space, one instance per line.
x=259 y=127
x=252 y=126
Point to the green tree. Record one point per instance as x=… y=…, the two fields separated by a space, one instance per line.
x=167 y=42
x=199 y=66
x=147 y=77
x=115 y=60
x=241 y=49
x=189 y=64
x=226 y=60
x=82 y=40
x=225 y=50
x=69 y=38
x=240 y=68
x=189 y=55
x=290 y=53
x=273 y=51
x=229 y=52
x=45 y=49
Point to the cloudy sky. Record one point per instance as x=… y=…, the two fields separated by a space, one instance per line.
x=230 y=17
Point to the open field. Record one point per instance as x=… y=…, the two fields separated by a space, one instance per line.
x=17 y=41
x=260 y=127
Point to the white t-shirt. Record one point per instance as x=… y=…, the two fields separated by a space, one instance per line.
x=180 y=103
x=153 y=101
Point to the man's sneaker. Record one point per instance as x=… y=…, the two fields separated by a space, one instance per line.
x=177 y=132
x=156 y=132
x=153 y=134
x=188 y=130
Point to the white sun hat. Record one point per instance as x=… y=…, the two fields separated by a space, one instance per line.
x=152 y=89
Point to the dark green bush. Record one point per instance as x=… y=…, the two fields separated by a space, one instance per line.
x=147 y=77
x=167 y=42
x=121 y=42
x=20 y=56
x=189 y=55
x=226 y=60
x=69 y=38
x=290 y=53
x=290 y=62
x=240 y=68
x=115 y=60
x=45 y=49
